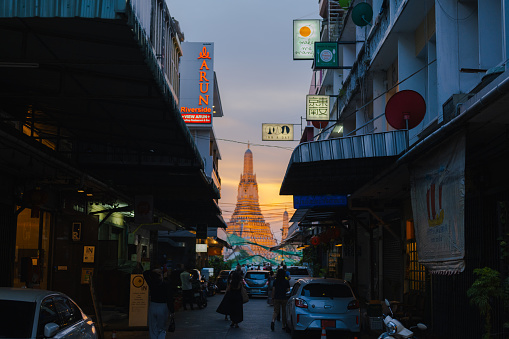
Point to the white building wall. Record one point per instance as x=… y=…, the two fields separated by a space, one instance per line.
x=379 y=88
x=408 y=65
x=447 y=59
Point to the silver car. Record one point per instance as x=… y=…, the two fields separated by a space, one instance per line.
x=31 y=313
x=317 y=303
x=298 y=272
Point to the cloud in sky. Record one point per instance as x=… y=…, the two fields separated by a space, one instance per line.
x=259 y=82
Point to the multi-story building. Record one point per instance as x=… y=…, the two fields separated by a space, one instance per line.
x=416 y=144
x=96 y=157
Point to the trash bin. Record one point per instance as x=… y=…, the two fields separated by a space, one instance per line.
x=374 y=312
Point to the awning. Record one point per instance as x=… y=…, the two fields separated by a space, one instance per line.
x=342 y=165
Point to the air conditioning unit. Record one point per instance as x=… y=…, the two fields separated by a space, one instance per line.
x=450 y=107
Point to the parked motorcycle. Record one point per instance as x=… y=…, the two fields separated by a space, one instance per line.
x=209 y=287
x=199 y=294
x=395 y=329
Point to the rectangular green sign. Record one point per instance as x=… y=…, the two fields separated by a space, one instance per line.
x=326 y=55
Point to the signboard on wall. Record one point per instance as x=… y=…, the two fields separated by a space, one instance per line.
x=305 y=34
x=197 y=82
x=138 y=301
x=312 y=201
x=326 y=55
x=317 y=108
x=277 y=132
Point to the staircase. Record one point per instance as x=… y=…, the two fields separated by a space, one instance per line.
x=336 y=19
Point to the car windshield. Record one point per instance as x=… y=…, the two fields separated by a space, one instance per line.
x=224 y=274
x=16 y=318
x=327 y=290
x=298 y=271
x=256 y=276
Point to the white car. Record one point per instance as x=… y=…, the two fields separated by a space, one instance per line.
x=32 y=313
x=317 y=303
x=298 y=272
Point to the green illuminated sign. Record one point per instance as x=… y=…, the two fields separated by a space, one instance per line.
x=326 y=55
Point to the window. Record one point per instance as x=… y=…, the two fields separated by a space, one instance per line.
x=327 y=290
x=298 y=271
x=16 y=318
x=415 y=272
x=295 y=288
x=69 y=313
x=48 y=314
x=257 y=276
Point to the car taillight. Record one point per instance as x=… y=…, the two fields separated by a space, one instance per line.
x=353 y=305
x=301 y=303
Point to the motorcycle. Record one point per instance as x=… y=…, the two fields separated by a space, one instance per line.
x=209 y=287
x=199 y=294
x=395 y=329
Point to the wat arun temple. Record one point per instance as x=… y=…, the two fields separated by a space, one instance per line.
x=247 y=224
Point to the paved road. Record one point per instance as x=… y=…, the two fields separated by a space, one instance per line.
x=209 y=324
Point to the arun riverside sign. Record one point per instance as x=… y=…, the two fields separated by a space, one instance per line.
x=197 y=83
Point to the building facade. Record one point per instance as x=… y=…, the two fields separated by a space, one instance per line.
x=420 y=178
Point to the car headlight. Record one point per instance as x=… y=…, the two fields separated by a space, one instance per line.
x=392 y=328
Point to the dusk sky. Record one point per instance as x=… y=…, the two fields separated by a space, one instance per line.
x=259 y=82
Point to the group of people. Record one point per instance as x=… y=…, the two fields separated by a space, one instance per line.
x=232 y=303
x=163 y=286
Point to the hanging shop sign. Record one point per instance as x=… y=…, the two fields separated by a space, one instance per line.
x=305 y=34
x=277 y=132
x=197 y=82
x=317 y=107
x=311 y=201
x=326 y=55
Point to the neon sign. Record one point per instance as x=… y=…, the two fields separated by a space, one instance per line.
x=200 y=101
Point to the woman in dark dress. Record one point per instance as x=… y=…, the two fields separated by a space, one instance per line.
x=232 y=302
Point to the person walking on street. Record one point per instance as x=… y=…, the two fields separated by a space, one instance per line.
x=161 y=303
x=187 y=287
x=235 y=304
x=279 y=289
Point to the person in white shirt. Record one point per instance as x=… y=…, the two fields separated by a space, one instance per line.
x=187 y=287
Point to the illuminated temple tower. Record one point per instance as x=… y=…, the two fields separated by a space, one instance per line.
x=286 y=225
x=247 y=220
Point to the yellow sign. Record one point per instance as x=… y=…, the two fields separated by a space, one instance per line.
x=277 y=132
x=88 y=253
x=138 y=301
x=86 y=274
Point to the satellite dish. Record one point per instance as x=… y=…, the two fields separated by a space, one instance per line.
x=320 y=123
x=405 y=109
x=362 y=14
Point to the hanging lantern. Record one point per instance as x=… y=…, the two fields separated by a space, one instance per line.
x=315 y=240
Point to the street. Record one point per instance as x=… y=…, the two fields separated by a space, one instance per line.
x=207 y=323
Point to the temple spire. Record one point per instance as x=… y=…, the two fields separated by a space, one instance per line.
x=248 y=161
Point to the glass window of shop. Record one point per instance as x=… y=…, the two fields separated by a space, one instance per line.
x=32 y=247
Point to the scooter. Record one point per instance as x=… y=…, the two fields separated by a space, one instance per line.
x=199 y=295
x=395 y=329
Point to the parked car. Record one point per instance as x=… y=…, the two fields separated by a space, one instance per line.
x=318 y=302
x=222 y=280
x=298 y=272
x=32 y=313
x=257 y=283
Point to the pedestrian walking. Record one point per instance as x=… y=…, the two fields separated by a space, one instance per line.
x=279 y=289
x=161 y=303
x=271 y=284
x=232 y=304
x=187 y=287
